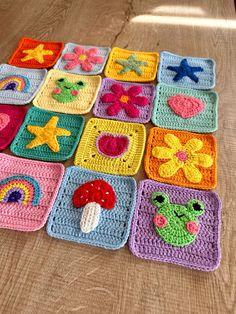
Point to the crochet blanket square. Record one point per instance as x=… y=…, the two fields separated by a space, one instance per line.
x=80 y=59
x=36 y=54
x=181 y=158
x=19 y=86
x=132 y=66
x=111 y=146
x=131 y=102
x=185 y=109
x=11 y=118
x=47 y=136
x=113 y=227
x=28 y=189
x=190 y=72
x=203 y=253
x=67 y=92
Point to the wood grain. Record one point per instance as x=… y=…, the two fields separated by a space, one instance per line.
x=39 y=274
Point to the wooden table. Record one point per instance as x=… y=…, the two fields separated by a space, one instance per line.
x=40 y=274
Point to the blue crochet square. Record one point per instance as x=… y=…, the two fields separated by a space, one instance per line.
x=114 y=225
x=90 y=58
x=172 y=64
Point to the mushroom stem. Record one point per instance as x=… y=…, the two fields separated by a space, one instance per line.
x=90 y=217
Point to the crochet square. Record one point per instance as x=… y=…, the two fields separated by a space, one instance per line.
x=11 y=118
x=80 y=59
x=129 y=102
x=185 y=109
x=188 y=70
x=144 y=242
x=132 y=66
x=45 y=135
x=113 y=227
x=68 y=93
x=36 y=54
x=111 y=146
x=28 y=189
x=181 y=158
x=19 y=86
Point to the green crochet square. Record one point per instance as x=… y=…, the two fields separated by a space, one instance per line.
x=57 y=143
x=205 y=121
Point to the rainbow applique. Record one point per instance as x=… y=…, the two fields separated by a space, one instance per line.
x=21 y=190
x=17 y=83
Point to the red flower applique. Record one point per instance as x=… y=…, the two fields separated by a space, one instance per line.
x=124 y=99
x=83 y=58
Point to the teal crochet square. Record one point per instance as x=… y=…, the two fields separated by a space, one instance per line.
x=165 y=116
x=114 y=224
x=49 y=136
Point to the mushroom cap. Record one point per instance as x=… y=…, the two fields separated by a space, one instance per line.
x=98 y=191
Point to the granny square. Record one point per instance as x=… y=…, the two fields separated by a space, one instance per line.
x=18 y=86
x=190 y=72
x=185 y=109
x=111 y=146
x=113 y=225
x=155 y=227
x=28 y=189
x=45 y=135
x=132 y=66
x=181 y=158
x=129 y=102
x=36 y=54
x=80 y=59
x=68 y=93
x=11 y=118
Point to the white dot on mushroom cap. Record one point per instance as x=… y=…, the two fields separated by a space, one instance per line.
x=91 y=184
x=86 y=191
x=107 y=193
x=102 y=201
x=81 y=196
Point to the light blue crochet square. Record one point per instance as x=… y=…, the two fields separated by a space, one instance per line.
x=96 y=68
x=205 y=121
x=18 y=86
x=114 y=225
x=206 y=77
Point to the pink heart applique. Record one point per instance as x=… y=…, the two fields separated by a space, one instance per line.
x=4 y=120
x=185 y=106
x=112 y=145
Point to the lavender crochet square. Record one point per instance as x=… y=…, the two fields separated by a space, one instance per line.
x=114 y=225
x=97 y=68
x=148 y=90
x=206 y=78
x=22 y=86
x=144 y=242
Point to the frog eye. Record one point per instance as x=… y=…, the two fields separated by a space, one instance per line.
x=196 y=207
x=159 y=199
x=80 y=83
x=61 y=80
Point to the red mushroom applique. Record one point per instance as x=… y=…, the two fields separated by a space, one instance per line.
x=93 y=195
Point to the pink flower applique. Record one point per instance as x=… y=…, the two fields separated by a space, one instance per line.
x=124 y=99
x=83 y=58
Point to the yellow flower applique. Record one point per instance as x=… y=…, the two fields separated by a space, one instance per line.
x=182 y=157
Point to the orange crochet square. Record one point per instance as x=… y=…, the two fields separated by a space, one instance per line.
x=36 y=54
x=181 y=158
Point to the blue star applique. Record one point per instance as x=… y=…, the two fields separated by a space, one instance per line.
x=184 y=69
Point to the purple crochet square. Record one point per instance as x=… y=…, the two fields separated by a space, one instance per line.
x=144 y=242
x=145 y=112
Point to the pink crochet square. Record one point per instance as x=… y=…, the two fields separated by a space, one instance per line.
x=28 y=189
x=11 y=118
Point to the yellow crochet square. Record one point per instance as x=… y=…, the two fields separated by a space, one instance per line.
x=68 y=93
x=111 y=146
x=132 y=66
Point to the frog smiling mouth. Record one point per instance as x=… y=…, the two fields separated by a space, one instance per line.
x=178 y=215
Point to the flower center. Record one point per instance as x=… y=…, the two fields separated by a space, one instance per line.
x=124 y=99
x=82 y=57
x=182 y=156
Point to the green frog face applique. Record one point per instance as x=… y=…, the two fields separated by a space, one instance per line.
x=67 y=91
x=176 y=224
